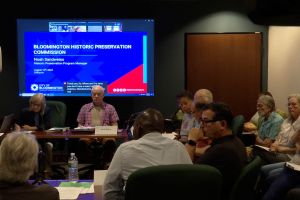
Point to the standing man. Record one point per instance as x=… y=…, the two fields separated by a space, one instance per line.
x=99 y=113
x=149 y=149
x=226 y=152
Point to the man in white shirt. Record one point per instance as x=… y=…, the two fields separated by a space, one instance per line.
x=150 y=148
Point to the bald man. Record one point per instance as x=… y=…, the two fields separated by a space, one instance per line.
x=203 y=96
x=150 y=148
x=98 y=112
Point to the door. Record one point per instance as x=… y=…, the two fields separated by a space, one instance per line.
x=228 y=64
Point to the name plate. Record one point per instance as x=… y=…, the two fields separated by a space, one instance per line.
x=106 y=130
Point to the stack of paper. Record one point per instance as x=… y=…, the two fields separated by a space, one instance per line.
x=59 y=129
x=172 y=135
x=68 y=193
x=262 y=147
x=293 y=166
x=71 y=190
x=84 y=129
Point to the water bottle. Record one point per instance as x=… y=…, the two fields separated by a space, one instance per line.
x=73 y=168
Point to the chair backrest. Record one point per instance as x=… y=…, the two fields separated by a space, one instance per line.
x=238 y=124
x=180 y=181
x=129 y=124
x=58 y=113
x=244 y=187
x=169 y=126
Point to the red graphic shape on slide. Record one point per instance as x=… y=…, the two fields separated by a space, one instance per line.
x=130 y=83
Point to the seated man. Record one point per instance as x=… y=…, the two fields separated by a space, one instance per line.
x=150 y=148
x=18 y=161
x=203 y=96
x=99 y=113
x=203 y=142
x=226 y=152
x=185 y=100
x=283 y=148
x=269 y=121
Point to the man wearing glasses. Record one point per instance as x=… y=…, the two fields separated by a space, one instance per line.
x=226 y=152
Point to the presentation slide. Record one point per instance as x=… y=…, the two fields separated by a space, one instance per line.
x=65 y=62
x=69 y=58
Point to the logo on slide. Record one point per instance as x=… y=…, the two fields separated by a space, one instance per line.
x=34 y=87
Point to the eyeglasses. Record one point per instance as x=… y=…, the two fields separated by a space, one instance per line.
x=205 y=122
x=259 y=105
x=292 y=104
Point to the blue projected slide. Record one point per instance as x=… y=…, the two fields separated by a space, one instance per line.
x=70 y=57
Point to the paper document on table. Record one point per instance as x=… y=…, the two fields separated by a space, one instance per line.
x=87 y=190
x=99 y=177
x=68 y=193
x=86 y=187
x=59 y=129
x=248 y=133
x=106 y=130
x=262 y=147
x=292 y=166
x=172 y=135
x=84 y=128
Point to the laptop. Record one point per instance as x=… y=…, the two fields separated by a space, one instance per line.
x=7 y=124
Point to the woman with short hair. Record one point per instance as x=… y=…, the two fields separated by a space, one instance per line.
x=36 y=117
x=18 y=161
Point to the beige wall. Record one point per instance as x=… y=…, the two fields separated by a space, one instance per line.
x=283 y=63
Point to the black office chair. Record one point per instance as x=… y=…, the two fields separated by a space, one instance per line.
x=237 y=129
x=58 y=113
x=101 y=155
x=244 y=187
x=129 y=124
x=176 y=182
x=169 y=126
x=238 y=124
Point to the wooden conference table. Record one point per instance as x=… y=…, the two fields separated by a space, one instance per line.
x=71 y=134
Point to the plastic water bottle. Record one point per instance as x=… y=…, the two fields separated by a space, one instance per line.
x=73 y=168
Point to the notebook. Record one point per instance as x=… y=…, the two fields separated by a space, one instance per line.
x=8 y=122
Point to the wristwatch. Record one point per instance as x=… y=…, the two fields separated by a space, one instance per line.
x=192 y=142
